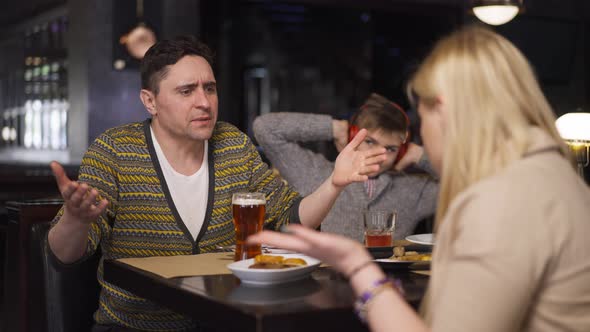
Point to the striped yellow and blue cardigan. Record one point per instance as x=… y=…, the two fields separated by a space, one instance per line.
x=141 y=219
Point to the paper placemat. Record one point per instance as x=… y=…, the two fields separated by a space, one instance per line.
x=184 y=265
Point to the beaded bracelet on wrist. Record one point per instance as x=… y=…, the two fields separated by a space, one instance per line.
x=369 y=295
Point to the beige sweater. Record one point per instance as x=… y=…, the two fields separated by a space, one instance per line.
x=513 y=252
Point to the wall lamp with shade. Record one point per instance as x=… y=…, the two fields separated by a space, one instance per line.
x=574 y=128
x=496 y=12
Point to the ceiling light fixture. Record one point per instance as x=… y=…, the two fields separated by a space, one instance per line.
x=574 y=128
x=496 y=12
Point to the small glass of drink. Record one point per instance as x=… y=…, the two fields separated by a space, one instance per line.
x=379 y=227
x=248 y=214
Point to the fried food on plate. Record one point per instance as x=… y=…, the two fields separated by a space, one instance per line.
x=415 y=258
x=400 y=254
x=294 y=262
x=399 y=251
x=271 y=262
x=269 y=259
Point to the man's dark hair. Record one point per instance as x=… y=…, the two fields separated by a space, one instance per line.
x=167 y=52
x=379 y=112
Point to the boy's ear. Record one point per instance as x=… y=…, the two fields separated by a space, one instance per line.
x=149 y=101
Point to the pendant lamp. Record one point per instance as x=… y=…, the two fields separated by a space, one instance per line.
x=574 y=128
x=496 y=12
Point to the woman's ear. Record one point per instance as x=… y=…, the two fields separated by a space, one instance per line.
x=149 y=101
x=441 y=108
x=440 y=105
x=439 y=100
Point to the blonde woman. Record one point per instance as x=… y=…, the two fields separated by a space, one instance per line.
x=512 y=219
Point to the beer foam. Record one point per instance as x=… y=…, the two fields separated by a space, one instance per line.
x=249 y=201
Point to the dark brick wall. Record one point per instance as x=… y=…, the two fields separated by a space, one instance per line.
x=112 y=96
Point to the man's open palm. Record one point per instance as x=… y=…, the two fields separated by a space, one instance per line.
x=80 y=200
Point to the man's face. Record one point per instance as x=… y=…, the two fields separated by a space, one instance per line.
x=391 y=141
x=186 y=106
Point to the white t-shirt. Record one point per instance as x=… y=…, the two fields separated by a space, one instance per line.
x=189 y=192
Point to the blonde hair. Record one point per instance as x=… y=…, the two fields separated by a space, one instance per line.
x=492 y=99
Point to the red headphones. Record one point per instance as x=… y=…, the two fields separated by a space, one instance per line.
x=403 y=148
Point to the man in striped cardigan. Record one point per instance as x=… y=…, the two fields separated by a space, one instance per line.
x=164 y=186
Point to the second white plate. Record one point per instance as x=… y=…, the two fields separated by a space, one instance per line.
x=394 y=262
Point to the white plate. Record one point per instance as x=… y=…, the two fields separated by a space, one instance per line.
x=387 y=263
x=262 y=277
x=425 y=239
x=395 y=262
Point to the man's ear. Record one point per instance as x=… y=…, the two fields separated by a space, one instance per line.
x=149 y=101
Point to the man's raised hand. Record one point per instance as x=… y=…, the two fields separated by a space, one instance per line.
x=80 y=200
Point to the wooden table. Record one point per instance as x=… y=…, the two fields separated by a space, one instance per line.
x=320 y=303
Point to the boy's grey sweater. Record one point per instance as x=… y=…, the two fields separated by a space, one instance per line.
x=413 y=196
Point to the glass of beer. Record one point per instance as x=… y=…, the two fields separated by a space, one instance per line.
x=379 y=227
x=248 y=213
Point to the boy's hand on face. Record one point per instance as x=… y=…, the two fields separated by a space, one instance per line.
x=353 y=165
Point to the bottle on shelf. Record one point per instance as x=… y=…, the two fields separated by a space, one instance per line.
x=54 y=71
x=64 y=108
x=36 y=70
x=25 y=115
x=37 y=119
x=55 y=118
x=14 y=115
x=8 y=128
x=27 y=131
x=10 y=110
x=45 y=69
x=4 y=117
x=5 y=127
x=45 y=116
